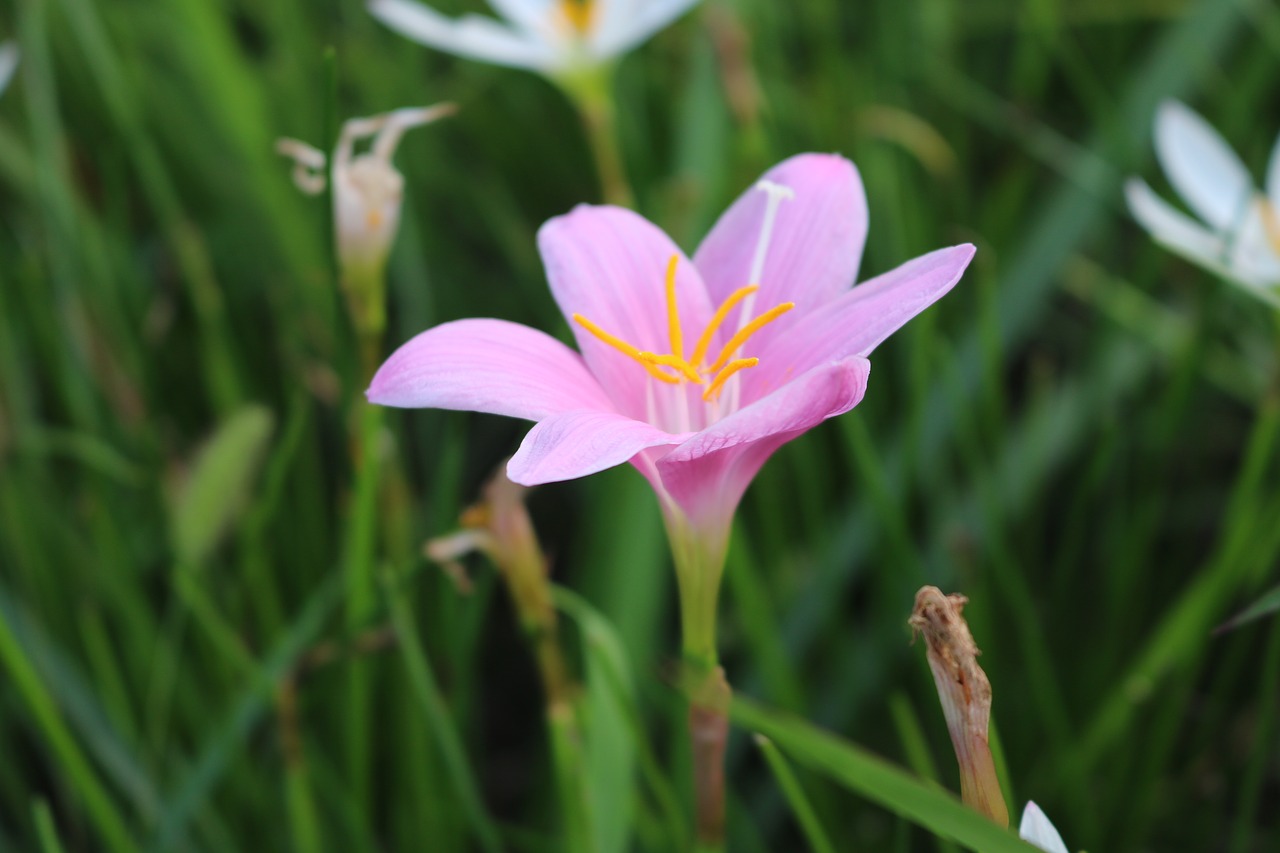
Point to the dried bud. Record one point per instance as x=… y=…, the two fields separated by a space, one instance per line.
x=367 y=194
x=500 y=528
x=966 y=696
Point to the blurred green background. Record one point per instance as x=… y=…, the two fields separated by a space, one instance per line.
x=1081 y=438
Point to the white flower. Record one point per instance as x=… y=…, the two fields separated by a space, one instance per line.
x=8 y=62
x=1238 y=235
x=1037 y=829
x=552 y=37
x=367 y=189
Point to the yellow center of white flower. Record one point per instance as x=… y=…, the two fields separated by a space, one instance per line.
x=579 y=13
x=719 y=371
x=1270 y=222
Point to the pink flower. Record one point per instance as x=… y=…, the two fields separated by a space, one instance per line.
x=694 y=371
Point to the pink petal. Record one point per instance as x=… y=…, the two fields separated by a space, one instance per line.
x=858 y=321
x=609 y=265
x=574 y=444
x=816 y=247
x=487 y=366
x=708 y=473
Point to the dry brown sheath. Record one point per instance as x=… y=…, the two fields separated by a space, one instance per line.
x=966 y=696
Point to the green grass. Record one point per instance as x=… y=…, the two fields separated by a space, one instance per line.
x=1081 y=438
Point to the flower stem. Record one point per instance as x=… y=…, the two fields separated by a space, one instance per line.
x=500 y=527
x=699 y=557
x=708 y=737
x=365 y=289
x=591 y=92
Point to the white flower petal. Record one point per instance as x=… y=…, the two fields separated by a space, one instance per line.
x=8 y=62
x=532 y=16
x=1184 y=236
x=1273 y=175
x=1037 y=829
x=625 y=24
x=473 y=36
x=612 y=22
x=1201 y=166
x=1252 y=256
x=1172 y=227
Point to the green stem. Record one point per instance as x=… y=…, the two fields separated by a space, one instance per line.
x=699 y=557
x=1255 y=774
x=591 y=92
x=359 y=557
x=423 y=681
x=571 y=780
x=304 y=824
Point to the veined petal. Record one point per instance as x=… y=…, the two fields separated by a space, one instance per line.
x=1037 y=829
x=574 y=444
x=858 y=321
x=816 y=243
x=487 y=366
x=1201 y=166
x=610 y=265
x=624 y=25
x=707 y=474
x=472 y=36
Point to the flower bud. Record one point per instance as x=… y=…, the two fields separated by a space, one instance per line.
x=500 y=528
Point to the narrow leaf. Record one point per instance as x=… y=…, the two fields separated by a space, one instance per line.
x=796 y=798
x=879 y=781
x=1265 y=606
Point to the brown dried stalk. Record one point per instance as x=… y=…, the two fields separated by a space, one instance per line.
x=966 y=696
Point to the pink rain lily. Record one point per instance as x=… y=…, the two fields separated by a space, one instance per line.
x=694 y=371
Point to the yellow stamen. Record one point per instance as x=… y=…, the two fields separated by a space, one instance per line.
x=1270 y=222
x=579 y=13
x=746 y=332
x=723 y=311
x=647 y=360
x=672 y=361
x=673 y=311
x=728 y=371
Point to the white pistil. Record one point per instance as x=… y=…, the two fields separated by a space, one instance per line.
x=682 y=395
x=776 y=194
x=650 y=408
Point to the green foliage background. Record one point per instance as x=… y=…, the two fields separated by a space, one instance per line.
x=1081 y=437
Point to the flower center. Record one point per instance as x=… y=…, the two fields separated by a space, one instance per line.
x=673 y=368
x=579 y=13
x=1270 y=222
